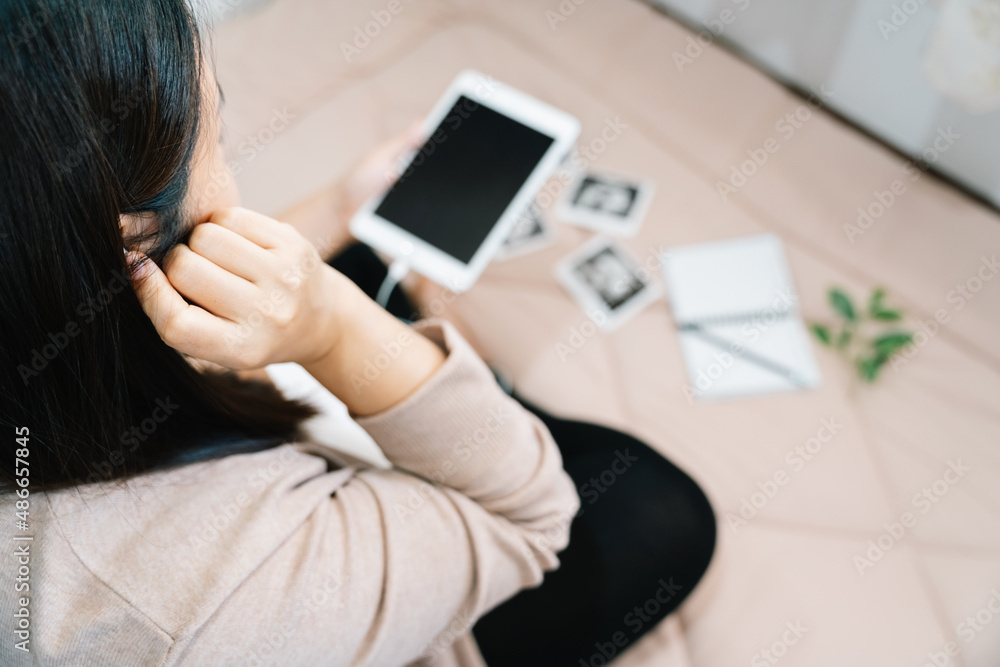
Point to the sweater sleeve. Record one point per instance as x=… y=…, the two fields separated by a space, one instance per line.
x=391 y=566
x=476 y=508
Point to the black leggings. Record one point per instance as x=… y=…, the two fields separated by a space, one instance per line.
x=641 y=542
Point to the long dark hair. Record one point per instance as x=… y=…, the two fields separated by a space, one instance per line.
x=99 y=115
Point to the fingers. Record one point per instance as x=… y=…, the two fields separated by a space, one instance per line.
x=212 y=287
x=186 y=328
x=231 y=251
x=260 y=229
x=239 y=264
x=410 y=139
x=394 y=155
x=406 y=141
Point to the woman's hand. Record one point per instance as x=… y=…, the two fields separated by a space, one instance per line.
x=378 y=170
x=259 y=293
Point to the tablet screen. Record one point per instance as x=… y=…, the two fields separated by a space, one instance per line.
x=462 y=179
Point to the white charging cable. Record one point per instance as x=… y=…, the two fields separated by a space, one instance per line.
x=397 y=271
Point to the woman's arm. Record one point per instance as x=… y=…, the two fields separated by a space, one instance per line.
x=394 y=564
x=377 y=360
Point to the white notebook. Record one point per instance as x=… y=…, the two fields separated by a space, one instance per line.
x=738 y=319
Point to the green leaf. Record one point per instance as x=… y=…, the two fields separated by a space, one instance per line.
x=888 y=315
x=868 y=367
x=864 y=369
x=842 y=304
x=822 y=333
x=877 y=309
x=890 y=343
x=875 y=302
x=878 y=362
x=843 y=339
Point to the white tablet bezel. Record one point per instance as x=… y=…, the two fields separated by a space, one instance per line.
x=428 y=260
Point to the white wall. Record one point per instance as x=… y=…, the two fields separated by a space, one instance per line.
x=873 y=56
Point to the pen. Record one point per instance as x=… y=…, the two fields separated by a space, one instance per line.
x=752 y=357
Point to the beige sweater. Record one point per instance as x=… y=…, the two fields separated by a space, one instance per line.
x=282 y=557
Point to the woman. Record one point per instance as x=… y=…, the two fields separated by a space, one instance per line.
x=166 y=510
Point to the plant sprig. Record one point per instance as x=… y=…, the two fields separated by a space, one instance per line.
x=862 y=337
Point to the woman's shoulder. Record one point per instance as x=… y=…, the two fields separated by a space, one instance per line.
x=175 y=544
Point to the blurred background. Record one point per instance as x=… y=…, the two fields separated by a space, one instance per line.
x=900 y=70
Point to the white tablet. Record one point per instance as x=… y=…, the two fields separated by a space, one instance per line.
x=489 y=151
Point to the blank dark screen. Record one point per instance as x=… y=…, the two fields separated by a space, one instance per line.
x=462 y=179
